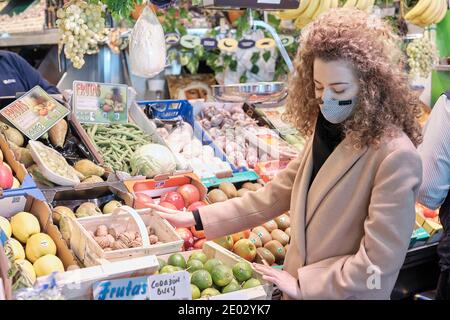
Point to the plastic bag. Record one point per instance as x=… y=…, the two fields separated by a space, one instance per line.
x=45 y=291
x=147 y=46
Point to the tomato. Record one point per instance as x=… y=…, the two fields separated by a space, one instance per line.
x=174 y=198
x=142 y=201
x=187 y=237
x=199 y=234
x=199 y=244
x=190 y=194
x=428 y=213
x=196 y=205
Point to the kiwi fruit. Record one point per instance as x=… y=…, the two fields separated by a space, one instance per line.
x=283 y=221
x=229 y=189
x=288 y=232
x=263 y=253
x=263 y=234
x=242 y=191
x=217 y=195
x=280 y=236
x=270 y=225
x=277 y=249
x=253 y=237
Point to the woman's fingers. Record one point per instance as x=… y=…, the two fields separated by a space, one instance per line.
x=271 y=279
x=265 y=269
x=163 y=209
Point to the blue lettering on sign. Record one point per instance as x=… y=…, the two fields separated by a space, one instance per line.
x=123 y=289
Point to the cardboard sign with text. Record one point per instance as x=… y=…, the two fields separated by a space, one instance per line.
x=100 y=103
x=170 y=286
x=34 y=113
x=122 y=289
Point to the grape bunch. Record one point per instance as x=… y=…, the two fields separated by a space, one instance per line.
x=422 y=55
x=81 y=26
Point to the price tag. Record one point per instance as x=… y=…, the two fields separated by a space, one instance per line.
x=34 y=113
x=95 y=102
x=170 y=286
x=209 y=43
x=122 y=289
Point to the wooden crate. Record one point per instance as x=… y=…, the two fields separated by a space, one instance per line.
x=213 y=250
x=91 y=254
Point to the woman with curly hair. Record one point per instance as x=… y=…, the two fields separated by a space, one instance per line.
x=351 y=195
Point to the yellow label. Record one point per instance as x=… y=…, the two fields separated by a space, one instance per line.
x=228 y=44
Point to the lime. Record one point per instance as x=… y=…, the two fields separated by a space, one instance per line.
x=209 y=292
x=199 y=256
x=222 y=275
x=162 y=263
x=177 y=260
x=202 y=279
x=242 y=271
x=194 y=265
x=167 y=269
x=232 y=286
x=195 y=292
x=210 y=264
x=251 y=283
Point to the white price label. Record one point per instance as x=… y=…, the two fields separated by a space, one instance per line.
x=170 y=286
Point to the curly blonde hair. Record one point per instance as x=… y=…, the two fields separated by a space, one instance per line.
x=385 y=102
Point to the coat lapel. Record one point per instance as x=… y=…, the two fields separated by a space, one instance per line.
x=298 y=202
x=334 y=168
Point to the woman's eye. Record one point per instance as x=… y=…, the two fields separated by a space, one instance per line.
x=339 y=91
x=319 y=89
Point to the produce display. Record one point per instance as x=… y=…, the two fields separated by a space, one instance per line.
x=190 y=151
x=227 y=126
x=227 y=191
x=117 y=144
x=265 y=244
x=422 y=56
x=427 y=12
x=32 y=252
x=211 y=277
x=81 y=27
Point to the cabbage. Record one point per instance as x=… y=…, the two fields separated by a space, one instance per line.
x=151 y=160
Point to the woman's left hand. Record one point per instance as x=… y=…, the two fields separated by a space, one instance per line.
x=284 y=281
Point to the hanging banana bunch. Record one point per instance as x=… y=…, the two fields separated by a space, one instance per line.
x=309 y=10
x=427 y=12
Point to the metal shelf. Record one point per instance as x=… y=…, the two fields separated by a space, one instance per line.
x=28 y=39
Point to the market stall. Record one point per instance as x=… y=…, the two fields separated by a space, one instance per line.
x=178 y=105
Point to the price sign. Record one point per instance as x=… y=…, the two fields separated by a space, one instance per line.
x=122 y=289
x=170 y=286
x=100 y=103
x=34 y=113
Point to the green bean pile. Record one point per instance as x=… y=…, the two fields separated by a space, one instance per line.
x=117 y=143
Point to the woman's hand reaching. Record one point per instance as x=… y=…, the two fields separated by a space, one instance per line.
x=284 y=281
x=178 y=219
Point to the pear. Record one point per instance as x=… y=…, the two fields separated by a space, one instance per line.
x=87 y=209
x=88 y=168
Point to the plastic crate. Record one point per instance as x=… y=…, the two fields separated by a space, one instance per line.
x=183 y=110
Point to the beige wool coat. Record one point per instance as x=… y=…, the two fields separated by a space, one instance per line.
x=350 y=231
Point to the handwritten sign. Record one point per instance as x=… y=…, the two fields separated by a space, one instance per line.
x=95 y=102
x=170 y=286
x=34 y=113
x=122 y=289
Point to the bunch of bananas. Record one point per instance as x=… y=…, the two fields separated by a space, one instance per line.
x=427 y=12
x=308 y=10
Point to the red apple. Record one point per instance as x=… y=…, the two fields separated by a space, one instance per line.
x=187 y=237
x=190 y=194
x=6 y=176
x=245 y=249
x=199 y=244
x=142 y=201
x=196 y=205
x=167 y=205
x=428 y=213
x=226 y=242
x=198 y=234
x=241 y=235
x=174 y=198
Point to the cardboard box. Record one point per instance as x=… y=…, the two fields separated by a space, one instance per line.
x=213 y=250
x=157 y=187
x=78 y=284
